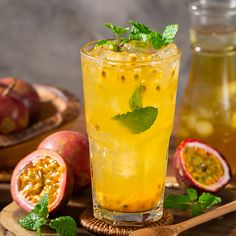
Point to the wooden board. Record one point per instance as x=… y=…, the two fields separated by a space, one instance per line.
x=223 y=226
x=11 y=213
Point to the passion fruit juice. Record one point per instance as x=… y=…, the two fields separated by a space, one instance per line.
x=208 y=110
x=128 y=169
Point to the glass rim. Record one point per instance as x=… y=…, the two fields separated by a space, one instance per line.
x=84 y=52
x=199 y=7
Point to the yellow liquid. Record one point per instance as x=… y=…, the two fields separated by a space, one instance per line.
x=128 y=170
x=208 y=109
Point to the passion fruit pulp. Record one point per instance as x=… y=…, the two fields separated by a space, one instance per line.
x=198 y=165
x=39 y=173
x=74 y=148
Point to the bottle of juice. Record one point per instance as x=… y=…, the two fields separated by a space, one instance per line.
x=208 y=108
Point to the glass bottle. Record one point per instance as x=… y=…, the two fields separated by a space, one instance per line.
x=208 y=108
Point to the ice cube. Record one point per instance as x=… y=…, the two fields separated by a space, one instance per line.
x=166 y=51
x=138 y=47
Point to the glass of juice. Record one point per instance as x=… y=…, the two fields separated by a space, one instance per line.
x=129 y=100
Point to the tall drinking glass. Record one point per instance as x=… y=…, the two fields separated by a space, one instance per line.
x=129 y=105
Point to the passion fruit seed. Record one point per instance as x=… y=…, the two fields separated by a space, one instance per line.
x=203 y=166
x=103 y=74
x=40 y=177
x=136 y=77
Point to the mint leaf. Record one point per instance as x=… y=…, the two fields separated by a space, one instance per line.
x=41 y=208
x=156 y=40
x=32 y=221
x=139 y=120
x=64 y=225
x=169 y=33
x=136 y=99
x=144 y=33
x=117 y=29
x=192 y=194
x=196 y=209
x=192 y=201
x=105 y=42
x=177 y=202
x=139 y=31
x=208 y=200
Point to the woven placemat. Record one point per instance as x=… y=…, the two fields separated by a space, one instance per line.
x=5 y=175
x=100 y=227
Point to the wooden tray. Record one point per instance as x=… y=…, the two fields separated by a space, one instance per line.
x=59 y=110
x=223 y=226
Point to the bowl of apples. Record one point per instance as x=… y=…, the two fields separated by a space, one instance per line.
x=29 y=113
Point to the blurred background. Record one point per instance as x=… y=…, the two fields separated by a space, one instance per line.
x=40 y=40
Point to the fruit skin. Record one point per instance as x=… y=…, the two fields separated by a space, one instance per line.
x=66 y=184
x=14 y=115
x=184 y=178
x=24 y=92
x=74 y=148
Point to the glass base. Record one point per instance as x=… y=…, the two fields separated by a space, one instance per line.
x=128 y=219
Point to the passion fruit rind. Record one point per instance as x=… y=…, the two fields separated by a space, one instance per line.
x=42 y=172
x=183 y=176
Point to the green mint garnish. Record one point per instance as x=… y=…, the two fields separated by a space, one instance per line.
x=64 y=225
x=105 y=42
x=41 y=208
x=140 y=32
x=38 y=217
x=140 y=118
x=33 y=221
x=118 y=32
x=117 y=29
x=192 y=201
x=136 y=101
x=169 y=33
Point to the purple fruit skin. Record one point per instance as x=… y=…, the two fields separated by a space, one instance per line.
x=13 y=115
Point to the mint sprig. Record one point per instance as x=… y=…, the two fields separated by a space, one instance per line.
x=38 y=217
x=136 y=101
x=64 y=225
x=140 y=118
x=144 y=33
x=118 y=32
x=192 y=201
x=140 y=32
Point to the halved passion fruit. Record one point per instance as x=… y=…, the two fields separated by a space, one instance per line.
x=39 y=173
x=198 y=165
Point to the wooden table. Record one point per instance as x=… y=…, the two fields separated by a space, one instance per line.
x=223 y=226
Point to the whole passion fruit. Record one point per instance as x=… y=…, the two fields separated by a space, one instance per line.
x=198 y=165
x=39 y=173
x=23 y=91
x=14 y=115
x=74 y=148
